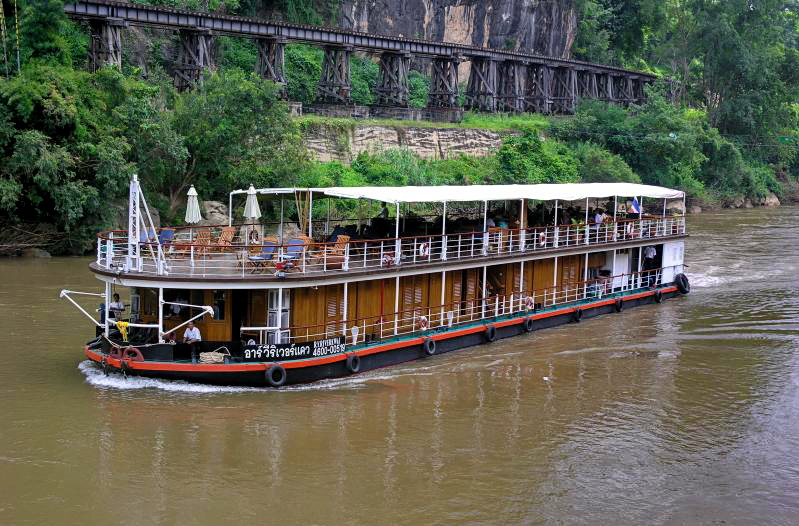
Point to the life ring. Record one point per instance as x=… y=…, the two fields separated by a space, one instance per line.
x=577 y=315
x=424 y=249
x=132 y=354
x=490 y=333
x=542 y=238
x=388 y=260
x=529 y=303
x=423 y=323
x=658 y=296
x=353 y=363
x=528 y=324
x=619 y=305
x=275 y=375
x=429 y=346
x=683 y=285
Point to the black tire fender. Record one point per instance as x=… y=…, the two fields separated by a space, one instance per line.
x=275 y=375
x=577 y=315
x=658 y=296
x=529 y=323
x=682 y=283
x=353 y=363
x=490 y=333
x=619 y=305
x=429 y=346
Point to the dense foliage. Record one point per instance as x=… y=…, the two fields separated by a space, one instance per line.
x=726 y=126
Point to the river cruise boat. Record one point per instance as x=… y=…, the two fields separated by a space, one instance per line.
x=344 y=280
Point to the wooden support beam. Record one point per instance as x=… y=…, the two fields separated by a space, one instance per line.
x=511 y=86
x=105 y=44
x=443 y=92
x=481 y=91
x=334 y=84
x=271 y=63
x=392 y=85
x=194 y=57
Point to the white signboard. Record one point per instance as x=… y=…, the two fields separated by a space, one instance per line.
x=673 y=253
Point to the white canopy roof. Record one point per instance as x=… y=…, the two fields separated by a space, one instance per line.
x=540 y=192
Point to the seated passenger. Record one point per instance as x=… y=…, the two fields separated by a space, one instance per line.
x=116 y=308
x=191 y=334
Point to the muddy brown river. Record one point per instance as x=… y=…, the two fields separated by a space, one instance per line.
x=681 y=413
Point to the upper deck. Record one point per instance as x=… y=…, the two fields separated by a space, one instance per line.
x=525 y=225
x=205 y=253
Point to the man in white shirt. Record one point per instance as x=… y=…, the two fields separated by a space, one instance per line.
x=116 y=308
x=191 y=334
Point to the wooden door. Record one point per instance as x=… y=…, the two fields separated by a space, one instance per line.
x=217 y=327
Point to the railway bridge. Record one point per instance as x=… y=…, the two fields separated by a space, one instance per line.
x=499 y=80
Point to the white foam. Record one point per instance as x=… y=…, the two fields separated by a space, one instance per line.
x=95 y=376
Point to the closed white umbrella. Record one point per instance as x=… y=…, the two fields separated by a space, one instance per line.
x=251 y=208
x=251 y=214
x=193 y=207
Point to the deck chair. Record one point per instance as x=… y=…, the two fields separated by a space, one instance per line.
x=202 y=241
x=333 y=255
x=166 y=236
x=264 y=255
x=295 y=251
x=225 y=238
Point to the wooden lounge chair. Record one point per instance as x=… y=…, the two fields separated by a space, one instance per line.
x=332 y=257
x=202 y=241
x=225 y=238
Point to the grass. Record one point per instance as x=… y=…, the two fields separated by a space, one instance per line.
x=498 y=123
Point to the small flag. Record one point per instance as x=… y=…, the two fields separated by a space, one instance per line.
x=636 y=206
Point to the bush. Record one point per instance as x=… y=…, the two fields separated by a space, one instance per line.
x=597 y=165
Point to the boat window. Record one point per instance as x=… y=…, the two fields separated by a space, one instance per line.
x=219 y=305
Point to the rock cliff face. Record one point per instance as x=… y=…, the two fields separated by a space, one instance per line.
x=545 y=27
x=330 y=144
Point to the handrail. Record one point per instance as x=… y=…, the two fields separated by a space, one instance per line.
x=211 y=258
x=476 y=309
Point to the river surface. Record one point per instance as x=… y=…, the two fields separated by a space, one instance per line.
x=681 y=413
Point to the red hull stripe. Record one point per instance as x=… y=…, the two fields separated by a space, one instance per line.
x=296 y=364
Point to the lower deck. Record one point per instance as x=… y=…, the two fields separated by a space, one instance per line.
x=362 y=357
x=372 y=310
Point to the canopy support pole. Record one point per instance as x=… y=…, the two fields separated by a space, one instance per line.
x=230 y=209
x=327 y=223
x=557 y=230
x=443 y=246
x=615 y=211
x=522 y=224
x=280 y=227
x=585 y=276
x=587 y=228
x=485 y=234
x=397 y=246
x=310 y=214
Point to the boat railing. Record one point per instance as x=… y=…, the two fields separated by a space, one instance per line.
x=428 y=320
x=207 y=252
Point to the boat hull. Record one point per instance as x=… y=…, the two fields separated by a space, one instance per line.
x=375 y=356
